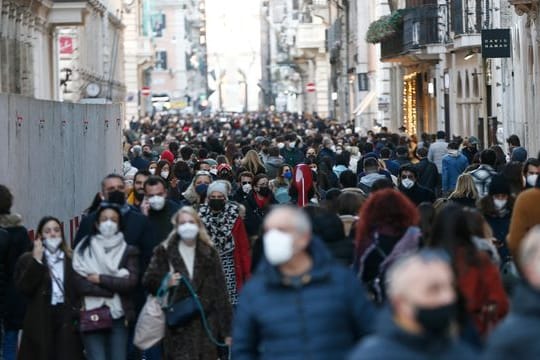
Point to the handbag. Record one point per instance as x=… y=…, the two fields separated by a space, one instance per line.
x=150 y=327
x=183 y=311
x=95 y=319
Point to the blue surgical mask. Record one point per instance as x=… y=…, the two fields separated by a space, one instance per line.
x=287 y=175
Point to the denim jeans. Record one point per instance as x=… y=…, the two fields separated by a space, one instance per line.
x=107 y=345
x=10 y=342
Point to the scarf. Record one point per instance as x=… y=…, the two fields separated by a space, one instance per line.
x=220 y=225
x=102 y=256
x=55 y=263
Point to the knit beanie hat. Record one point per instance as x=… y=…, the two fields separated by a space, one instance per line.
x=218 y=186
x=519 y=154
x=499 y=185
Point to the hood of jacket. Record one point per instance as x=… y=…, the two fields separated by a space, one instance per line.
x=274 y=161
x=10 y=220
x=454 y=153
x=369 y=179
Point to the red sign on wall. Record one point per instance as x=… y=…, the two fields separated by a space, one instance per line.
x=66 y=45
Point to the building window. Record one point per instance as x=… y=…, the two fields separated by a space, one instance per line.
x=158 y=24
x=161 y=60
x=363 y=82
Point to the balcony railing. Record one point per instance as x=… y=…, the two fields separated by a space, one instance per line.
x=310 y=36
x=393 y=46
x=421 y=27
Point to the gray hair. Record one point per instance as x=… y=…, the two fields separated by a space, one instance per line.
x=298 y=217
x=530 y=246
x=395 y=284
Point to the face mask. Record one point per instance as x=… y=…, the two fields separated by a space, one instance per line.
x=52 y=244
x=278 y=247
x=292 y=145
x=407 y=183
x=108 y=228
x=287 y=175
x=152 y=171
x=213 y=172
x=531 y=179
x=339 y=151
x=216 y=204
x=264 y=191
x=156 y=202
x=246 y=188
x=117 y=197
x=437 y=320
x=187 y=231
x=499 y=204
x=280 y=145
x=201 y=189
x=165 y=174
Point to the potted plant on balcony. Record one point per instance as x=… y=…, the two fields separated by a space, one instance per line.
x=385 y=27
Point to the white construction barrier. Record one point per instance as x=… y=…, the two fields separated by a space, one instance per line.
x=54 y=155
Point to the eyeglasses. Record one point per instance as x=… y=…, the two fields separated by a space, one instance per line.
x=411 y=177
x=310 y=154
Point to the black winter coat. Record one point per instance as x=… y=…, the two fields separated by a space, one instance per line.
x=34 y=281
x=19 y=243
x=418 y=194
x=391 y=342
x=428 y=175
x=4 y=258
x=254 y=214
x=517 y=335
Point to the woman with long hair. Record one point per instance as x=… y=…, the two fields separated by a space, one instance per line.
x=45 y=277
x=387 y=229
x=188 y=252
x=164 y=170
x=195 y=195
x=280 y=185
x=465 y=193
x=253 y=163
x=478 y=279
x=106 y=274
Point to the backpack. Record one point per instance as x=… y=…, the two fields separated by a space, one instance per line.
x=409 y=243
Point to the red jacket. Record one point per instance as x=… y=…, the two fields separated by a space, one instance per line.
x=242 y=257
x=482 y=288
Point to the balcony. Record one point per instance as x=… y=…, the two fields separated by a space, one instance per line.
x=311 y=36
x=145 y=51
x=529 y=7
x=67 y=13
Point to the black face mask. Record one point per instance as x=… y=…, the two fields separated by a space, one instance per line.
x=216 y=204
x=264 y=191
x=117 y=197
x=436 y=320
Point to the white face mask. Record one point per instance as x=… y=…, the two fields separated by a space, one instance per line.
x=292 y=145
x=280 y=145
x=407 y=183
x=246 y=188
x=157 y=202
x=52 y=244
x=278 y=247
x=531 y=179
x=499 y=204
x=108 y=228
x=165 y=174
x=152 y=171
x=187 y=231
x=213 y=171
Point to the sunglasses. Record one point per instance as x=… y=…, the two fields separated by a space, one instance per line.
x=246 y=182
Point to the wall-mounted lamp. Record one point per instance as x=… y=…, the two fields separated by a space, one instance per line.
x=469 y=55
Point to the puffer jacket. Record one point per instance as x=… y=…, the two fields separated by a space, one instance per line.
x=319 y=316
x=392 y=342
x=482 y=178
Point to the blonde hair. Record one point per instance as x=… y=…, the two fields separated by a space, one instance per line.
x=203 y=234
x=252 y=162
x=464 y=187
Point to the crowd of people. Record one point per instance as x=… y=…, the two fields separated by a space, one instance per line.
x=301 y=238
